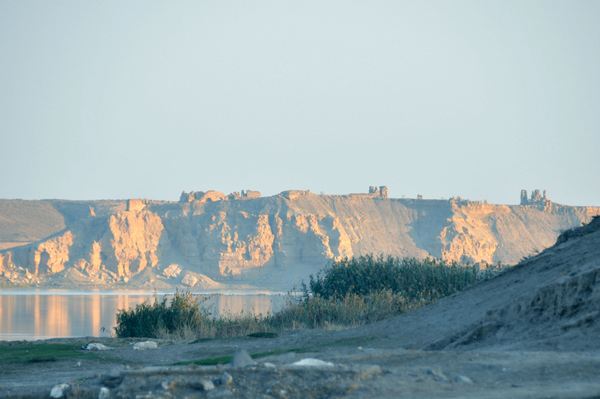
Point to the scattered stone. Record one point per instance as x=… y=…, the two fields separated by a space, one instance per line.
x=140 y=346
x=224 y=379
x=112 y=379
x=59 y=391
x=104 y=393
x=96 y=346
x=462 y=379
x=437 y=375
x=204 y=384
x=242 y=358
x=311 y=362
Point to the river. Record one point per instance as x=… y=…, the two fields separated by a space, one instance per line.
x=39 y=314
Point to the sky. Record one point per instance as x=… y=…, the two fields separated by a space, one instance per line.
x=128 y=99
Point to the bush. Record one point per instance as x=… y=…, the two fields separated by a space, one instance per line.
x=413 y=279
x=161 y=318
x=182 y=317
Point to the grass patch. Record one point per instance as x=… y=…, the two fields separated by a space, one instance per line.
x=39 y=353
x=209 y=361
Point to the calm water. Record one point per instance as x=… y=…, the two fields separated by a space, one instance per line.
x=39 y=314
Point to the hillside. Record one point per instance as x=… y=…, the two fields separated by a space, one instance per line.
x=208 y=238
x=548 y=302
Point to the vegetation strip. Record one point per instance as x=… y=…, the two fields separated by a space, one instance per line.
x=349 y=292
x=40 y=353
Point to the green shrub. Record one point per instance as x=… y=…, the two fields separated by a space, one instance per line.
x=415 y=280
x=182 y=313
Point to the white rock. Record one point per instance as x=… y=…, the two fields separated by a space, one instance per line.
x=104 y=393
x=140 y=346
x=311 y=362
x=189 y=280
x=58 y=391
x=207 y=385
x=463 y=379
x=225 y=379
x=269 y=365
x=96 y=346
x=172 y=271
x=241 y=358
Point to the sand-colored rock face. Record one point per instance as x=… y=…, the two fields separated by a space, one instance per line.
x=134 y=239
x=243 y=251
x=172 y=271
x=95 y=257
x=274 y=241
x=469 y=236
x=52 y=255
x=5 y=261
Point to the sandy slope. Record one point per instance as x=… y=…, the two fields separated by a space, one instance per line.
x=551 y=301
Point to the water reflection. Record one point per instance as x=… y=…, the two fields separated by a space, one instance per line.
x=233 y=305
x=48 y=314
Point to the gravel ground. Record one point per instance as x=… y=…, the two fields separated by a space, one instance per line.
x=363 y=366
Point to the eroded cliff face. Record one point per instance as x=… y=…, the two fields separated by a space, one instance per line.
x=468 y=236
x=272 y=242
x=480 y=232
x=132 y=241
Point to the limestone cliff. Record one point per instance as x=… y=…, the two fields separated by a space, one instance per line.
x=208 y=238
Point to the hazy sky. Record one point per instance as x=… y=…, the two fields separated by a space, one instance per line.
x=118 y=99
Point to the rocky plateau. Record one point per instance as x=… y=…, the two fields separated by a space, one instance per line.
x=209 y=240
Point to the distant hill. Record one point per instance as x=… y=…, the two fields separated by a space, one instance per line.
x=24 y=221
x=209 y=240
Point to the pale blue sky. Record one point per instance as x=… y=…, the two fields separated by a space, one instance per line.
x=118 y=99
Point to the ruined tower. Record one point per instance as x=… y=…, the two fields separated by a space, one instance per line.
x=524 y=200
x=538 y=197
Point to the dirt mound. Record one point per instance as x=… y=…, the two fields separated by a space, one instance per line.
x=550 y=301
